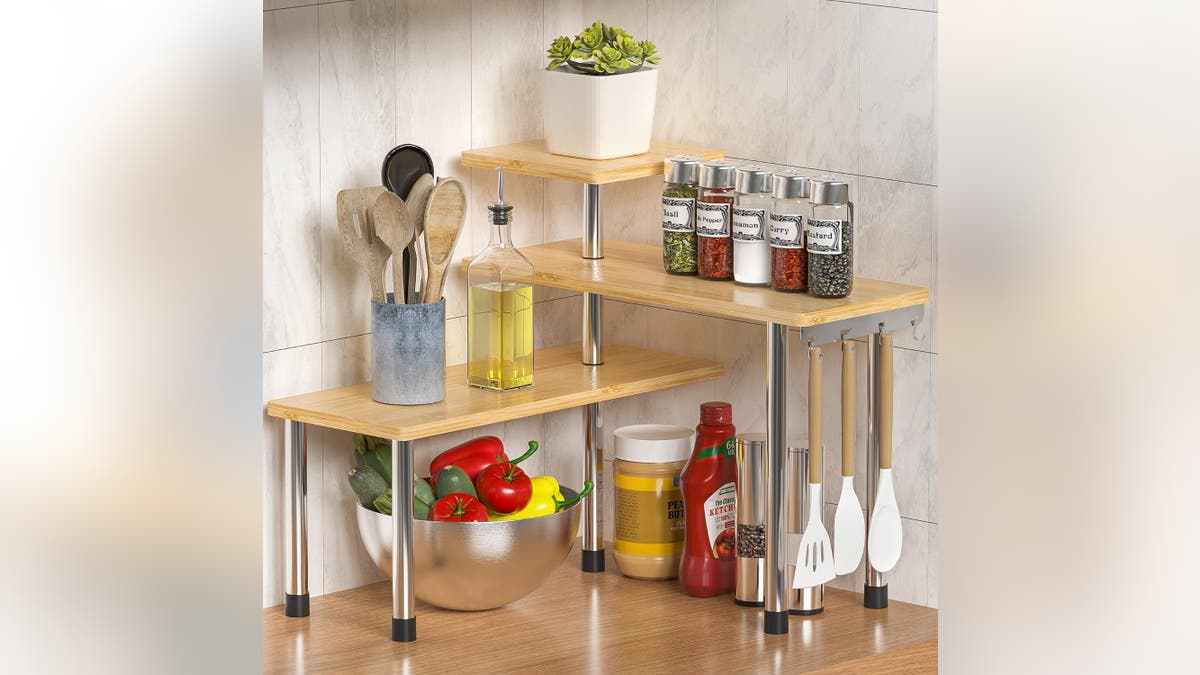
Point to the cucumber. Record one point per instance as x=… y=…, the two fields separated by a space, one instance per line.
x=367 y=484
x=383 y=504
x=451 y=480
x=422 y=493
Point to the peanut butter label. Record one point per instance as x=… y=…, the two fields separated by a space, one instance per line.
x=649 y=515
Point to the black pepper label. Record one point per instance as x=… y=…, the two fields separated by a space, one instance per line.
x=712 y=220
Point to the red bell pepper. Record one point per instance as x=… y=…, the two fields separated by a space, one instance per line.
x=504 y=487
x=472 y=457
x=458 y=507
x=476 y=455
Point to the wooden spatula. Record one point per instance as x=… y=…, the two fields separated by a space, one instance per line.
x=418 y=198
x=353 y=208
x=444 y=217
x=394 y=226
x=885 y=538
x=814 y=560
x=849 y=528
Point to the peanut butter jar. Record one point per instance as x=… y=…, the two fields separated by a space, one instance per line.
x=648 y=516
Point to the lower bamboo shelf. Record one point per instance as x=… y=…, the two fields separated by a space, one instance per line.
x=601 y=623
x=560 y=382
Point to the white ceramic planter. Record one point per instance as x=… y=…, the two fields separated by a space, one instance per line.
x=599 y=116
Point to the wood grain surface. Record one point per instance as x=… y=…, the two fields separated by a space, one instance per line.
x=560 y=382
x=531 y=158
x=634 y=272
x=598 y=623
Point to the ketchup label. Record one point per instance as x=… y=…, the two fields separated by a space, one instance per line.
x=720 y=513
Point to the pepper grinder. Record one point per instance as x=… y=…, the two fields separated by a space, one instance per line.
x=802 y=601
x=751 y=519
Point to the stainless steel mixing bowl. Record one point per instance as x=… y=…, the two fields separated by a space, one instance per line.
x=474 y=566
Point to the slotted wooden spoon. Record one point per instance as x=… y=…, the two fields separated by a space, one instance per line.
x=444 y=217
x=354 y=222
x=395 y=227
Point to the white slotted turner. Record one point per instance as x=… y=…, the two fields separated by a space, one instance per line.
x=849 y=530
x=814 y=560
x=885 y=537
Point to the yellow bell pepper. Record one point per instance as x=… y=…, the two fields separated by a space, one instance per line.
x=547 y=499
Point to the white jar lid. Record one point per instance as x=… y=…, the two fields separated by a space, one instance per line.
x=653 y=443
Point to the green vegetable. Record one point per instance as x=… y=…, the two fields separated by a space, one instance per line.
x=453 y=479
x=367 y=484
x=423 y=495
x=375 y=453
x=383 y=503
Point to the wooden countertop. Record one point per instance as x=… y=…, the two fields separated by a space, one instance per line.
x=598 y=623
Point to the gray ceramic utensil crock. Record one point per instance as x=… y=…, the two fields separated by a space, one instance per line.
x=408 y=352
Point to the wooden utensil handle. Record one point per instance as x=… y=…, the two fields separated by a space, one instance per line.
x=815 y=447
x=848 y=398
x=432 y=292
x=886 y=378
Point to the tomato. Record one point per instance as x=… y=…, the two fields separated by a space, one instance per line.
x=724 y=545
x=458 y=507
x=504 y=488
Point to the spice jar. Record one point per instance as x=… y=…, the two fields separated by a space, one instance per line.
x=829 y=239
x=647 y=502
x=679 y=214
x=789 y=213
x=714 y=242
x=751 y=254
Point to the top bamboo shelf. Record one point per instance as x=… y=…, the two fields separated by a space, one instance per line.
x=560 y=382
x=634 y=272
x=531 y=158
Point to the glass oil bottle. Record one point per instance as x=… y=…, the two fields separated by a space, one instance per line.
x=500 y=307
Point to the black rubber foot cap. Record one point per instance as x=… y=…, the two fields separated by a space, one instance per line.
x=875 y=597
x=775 y=623
x=806 y=612
x=295 y=605
x=593 y=561
x=404 y=630
x=748 y=603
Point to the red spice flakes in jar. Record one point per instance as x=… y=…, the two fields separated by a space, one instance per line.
x=714 y=238
x=789 y=260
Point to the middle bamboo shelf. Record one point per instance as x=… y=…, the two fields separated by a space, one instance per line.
x=560 y=382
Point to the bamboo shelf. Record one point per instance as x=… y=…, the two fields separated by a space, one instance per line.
x=530 y=158
x=630 y=271
x=561 y=382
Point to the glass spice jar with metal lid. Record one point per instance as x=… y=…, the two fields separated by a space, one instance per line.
x=829 y=239
x=789 y=213
x=714 y=240
x=679 y=214
x=751 y=253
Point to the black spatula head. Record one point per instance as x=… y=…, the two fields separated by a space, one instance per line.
x=403 y=166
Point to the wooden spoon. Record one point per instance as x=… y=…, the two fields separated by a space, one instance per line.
x=418 y=198
x=444 y=217
x=394 y=226
x=353 y=207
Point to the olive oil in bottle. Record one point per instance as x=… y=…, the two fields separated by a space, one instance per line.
x=500 y=308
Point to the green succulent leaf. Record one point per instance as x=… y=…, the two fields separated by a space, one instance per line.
x=559 y=52
x=649 y=51
x=629 y=47
x=601 y=49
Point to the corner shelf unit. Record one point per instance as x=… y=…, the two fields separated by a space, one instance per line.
x=597 y=268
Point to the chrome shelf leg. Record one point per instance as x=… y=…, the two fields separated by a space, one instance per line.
x=593 y=470
x=775 y=610
x=295 y=513
x=404 y=599
x=875 y=588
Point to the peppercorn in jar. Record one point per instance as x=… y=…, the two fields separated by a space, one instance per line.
x=678 y=214
x=829 y=239
x=714 y=240
x=789 y=213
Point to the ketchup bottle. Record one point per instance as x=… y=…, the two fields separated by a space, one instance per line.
x=709 y=486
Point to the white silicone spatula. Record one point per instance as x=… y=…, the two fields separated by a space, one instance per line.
x=814 y=560
x=886 y=536
x=849 y=530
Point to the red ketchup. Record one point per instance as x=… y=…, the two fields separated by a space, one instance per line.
x=709 y=486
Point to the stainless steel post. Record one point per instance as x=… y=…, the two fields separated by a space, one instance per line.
x=775 y=610
x=404 y=599
x=593 y=235
x=593 y=339
x=593 y=470
x=875 y=588
x=295 y=513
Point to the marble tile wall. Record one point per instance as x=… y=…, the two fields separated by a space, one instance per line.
x=844 y=88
